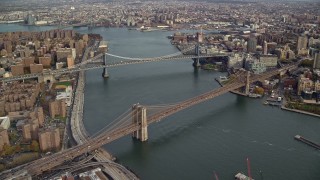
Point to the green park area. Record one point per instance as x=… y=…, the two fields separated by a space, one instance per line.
x=312 y=108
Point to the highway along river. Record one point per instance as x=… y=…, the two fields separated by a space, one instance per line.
x=217 y=135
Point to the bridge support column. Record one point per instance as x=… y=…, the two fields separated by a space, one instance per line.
x=105 y=73
x=139 y=117
x=196 y=62
x=247 y=82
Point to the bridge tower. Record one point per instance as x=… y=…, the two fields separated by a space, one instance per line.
x=247 y=82
x=105 y=70
x=196 y=62
x=139 y=117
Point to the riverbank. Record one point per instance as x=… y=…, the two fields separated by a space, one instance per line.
x=299 y=111
x=80 y=134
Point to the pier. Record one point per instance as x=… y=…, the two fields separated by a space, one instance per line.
x=306 y=141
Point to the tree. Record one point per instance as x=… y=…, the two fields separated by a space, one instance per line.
x=258 y=90
x=7 y=150
x=17 y=148
x=34 y=146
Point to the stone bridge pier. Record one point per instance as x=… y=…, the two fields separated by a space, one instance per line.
x=139 y=117
x=46 y=78
x=105 y=73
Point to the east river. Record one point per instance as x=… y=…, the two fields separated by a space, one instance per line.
x=217 y=135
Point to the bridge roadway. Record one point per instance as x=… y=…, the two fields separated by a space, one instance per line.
x=40 y=165
x=79 y=133
x=96 y=63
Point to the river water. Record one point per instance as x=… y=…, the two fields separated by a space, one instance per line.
x=217 y=135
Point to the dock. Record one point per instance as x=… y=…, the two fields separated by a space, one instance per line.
x=306 y=141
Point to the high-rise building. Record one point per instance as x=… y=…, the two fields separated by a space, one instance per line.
x=316 y=63
x=36 y=68
x=57 y=107
x=4 y=138
x=85 y=38
x=70 y=61
x=269 y=60
x=45 y=61
x=8 y=46
x=79 y=45
x=17 y=70
x=26 y=132
x=49 y=139
x=34 y=127
x=39 y=115
x=63 y=53
x=200 y=36
x=27 y=61
x=265 y=48
x=31 y=19
x=252 y=44
x=302 y=43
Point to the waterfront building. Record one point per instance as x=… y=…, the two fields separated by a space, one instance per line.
x=235 y=61
x=31 y=19
x=304 y=84
x=255 y=66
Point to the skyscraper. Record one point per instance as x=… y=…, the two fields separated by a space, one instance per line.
x=302 y=43
x=252 y=44
x=316 y=63
x=265 y=48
